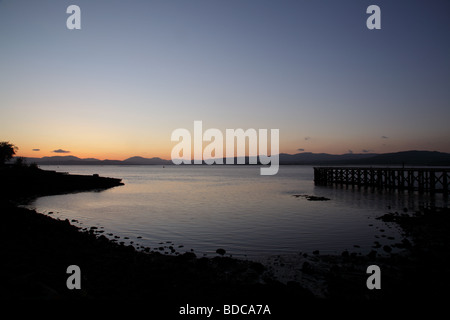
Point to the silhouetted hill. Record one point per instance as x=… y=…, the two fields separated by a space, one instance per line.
x=413 y=157
x=143 y=161
x=72 y=160
x=322 y=158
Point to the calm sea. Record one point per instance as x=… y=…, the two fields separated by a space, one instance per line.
x=204 y=208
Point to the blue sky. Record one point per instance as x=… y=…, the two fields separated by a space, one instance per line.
x=137 y=70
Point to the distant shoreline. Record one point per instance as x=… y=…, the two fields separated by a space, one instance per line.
x=404 y=158
x=18 y=183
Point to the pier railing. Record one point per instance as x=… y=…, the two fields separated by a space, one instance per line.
x=430 y=180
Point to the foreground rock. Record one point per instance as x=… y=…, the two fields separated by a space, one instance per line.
x=311 y=198
x=38 y=249
x=417 y=272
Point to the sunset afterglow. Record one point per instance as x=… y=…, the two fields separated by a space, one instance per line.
x=133 y=73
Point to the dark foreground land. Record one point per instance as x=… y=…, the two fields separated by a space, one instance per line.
x=37 y=249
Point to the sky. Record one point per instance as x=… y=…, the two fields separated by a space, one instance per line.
x=138 y=70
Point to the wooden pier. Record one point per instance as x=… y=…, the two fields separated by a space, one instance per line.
x=423 y=180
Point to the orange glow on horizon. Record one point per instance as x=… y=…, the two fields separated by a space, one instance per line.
x=160 y=146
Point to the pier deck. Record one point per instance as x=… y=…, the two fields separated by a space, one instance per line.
x=423 y=180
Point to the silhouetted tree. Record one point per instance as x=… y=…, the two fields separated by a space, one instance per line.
x=7 y=152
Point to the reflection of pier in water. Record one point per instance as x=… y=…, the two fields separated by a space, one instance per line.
x=423 y=180
x=380 y=199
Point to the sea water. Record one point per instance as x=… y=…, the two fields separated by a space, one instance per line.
x=203 y=208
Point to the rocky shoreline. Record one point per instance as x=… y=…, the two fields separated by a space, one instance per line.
x=22 y=183
x=416 y=272
x=37 y=249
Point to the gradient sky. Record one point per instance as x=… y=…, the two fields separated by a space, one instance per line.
x=137 y=70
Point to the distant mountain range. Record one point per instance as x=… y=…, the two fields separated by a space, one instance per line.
x=411 y=158
x=72 y=160
x=424 y=158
